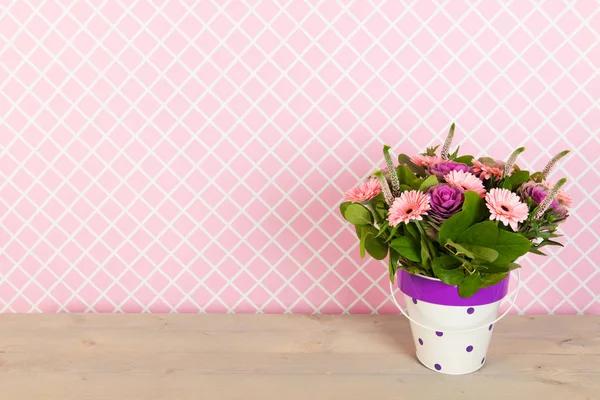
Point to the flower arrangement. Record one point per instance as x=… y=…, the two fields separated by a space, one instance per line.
x=462 y=220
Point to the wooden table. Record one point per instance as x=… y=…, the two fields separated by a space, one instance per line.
x=171 y=357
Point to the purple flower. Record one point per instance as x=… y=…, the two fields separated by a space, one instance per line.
x=445 y=167
x=445 y=201
x=561 y=213
x=537 y=193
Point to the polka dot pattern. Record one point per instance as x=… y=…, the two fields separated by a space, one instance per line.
x=452 y=351
x=468 y=349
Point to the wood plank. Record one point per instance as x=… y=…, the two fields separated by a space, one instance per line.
x=267 y=333
x=156 y=357
x=555 y=325
x=289 y=387
x=524 y=366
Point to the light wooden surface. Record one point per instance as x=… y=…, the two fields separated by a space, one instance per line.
x=171 y=357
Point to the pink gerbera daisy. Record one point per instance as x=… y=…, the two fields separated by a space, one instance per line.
x=485 y=171
x=425 y=161
x=411 y=205
x=564 y=198
x=365 y=191
x=505 y=206
x=465 y=180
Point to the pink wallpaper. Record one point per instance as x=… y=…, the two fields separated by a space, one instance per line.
x=179 y=156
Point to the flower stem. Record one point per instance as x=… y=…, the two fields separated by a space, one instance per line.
x=464 y=265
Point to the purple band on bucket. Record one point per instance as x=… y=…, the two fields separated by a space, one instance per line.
x=437 y=292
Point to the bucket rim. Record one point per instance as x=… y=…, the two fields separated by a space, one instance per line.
x=433 y=290
x=504 y=314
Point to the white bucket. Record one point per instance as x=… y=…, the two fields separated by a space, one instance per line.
x=451 y=339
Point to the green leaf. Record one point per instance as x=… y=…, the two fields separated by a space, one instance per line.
x=407 y=247
x=383 y=227
x=403 y=159
x=444 y=268
x=493 y=269
x=431 y=180
x=446 y=261
x=454 y=155
x=511 y=266
x=358 y=214
x=404 y=188
x=474 y=252
x=363 y=239
x=425 y=256
x=415 y=184
x=430 y=151
x=392 y=233
x=547 y=235
x=548 y=242
x=488 y=161
x=405 y=175
x=518 y=178
x=468 y=160
x=367 y=228
x=358 y=230
x=470 y=285
x=412 y=230
x=509 y=246
x=458 y=249
x=343 y=207
x=507 y=184
x=370 y=242
x=393 y=262
x=483 y=232
x=376 y=247
x=472 y=212
x=492 y=279
x=450 y=277
x=482 y=253
x=536 y=251
x=361 y=232
x=380 y=206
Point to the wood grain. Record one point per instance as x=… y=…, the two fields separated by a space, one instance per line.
x=156 y=357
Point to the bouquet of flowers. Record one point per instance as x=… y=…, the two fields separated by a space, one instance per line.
x=462 y=220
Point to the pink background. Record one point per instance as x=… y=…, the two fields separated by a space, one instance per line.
x=176 y=156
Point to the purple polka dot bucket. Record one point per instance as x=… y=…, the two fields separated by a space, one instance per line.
x=451 y=334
